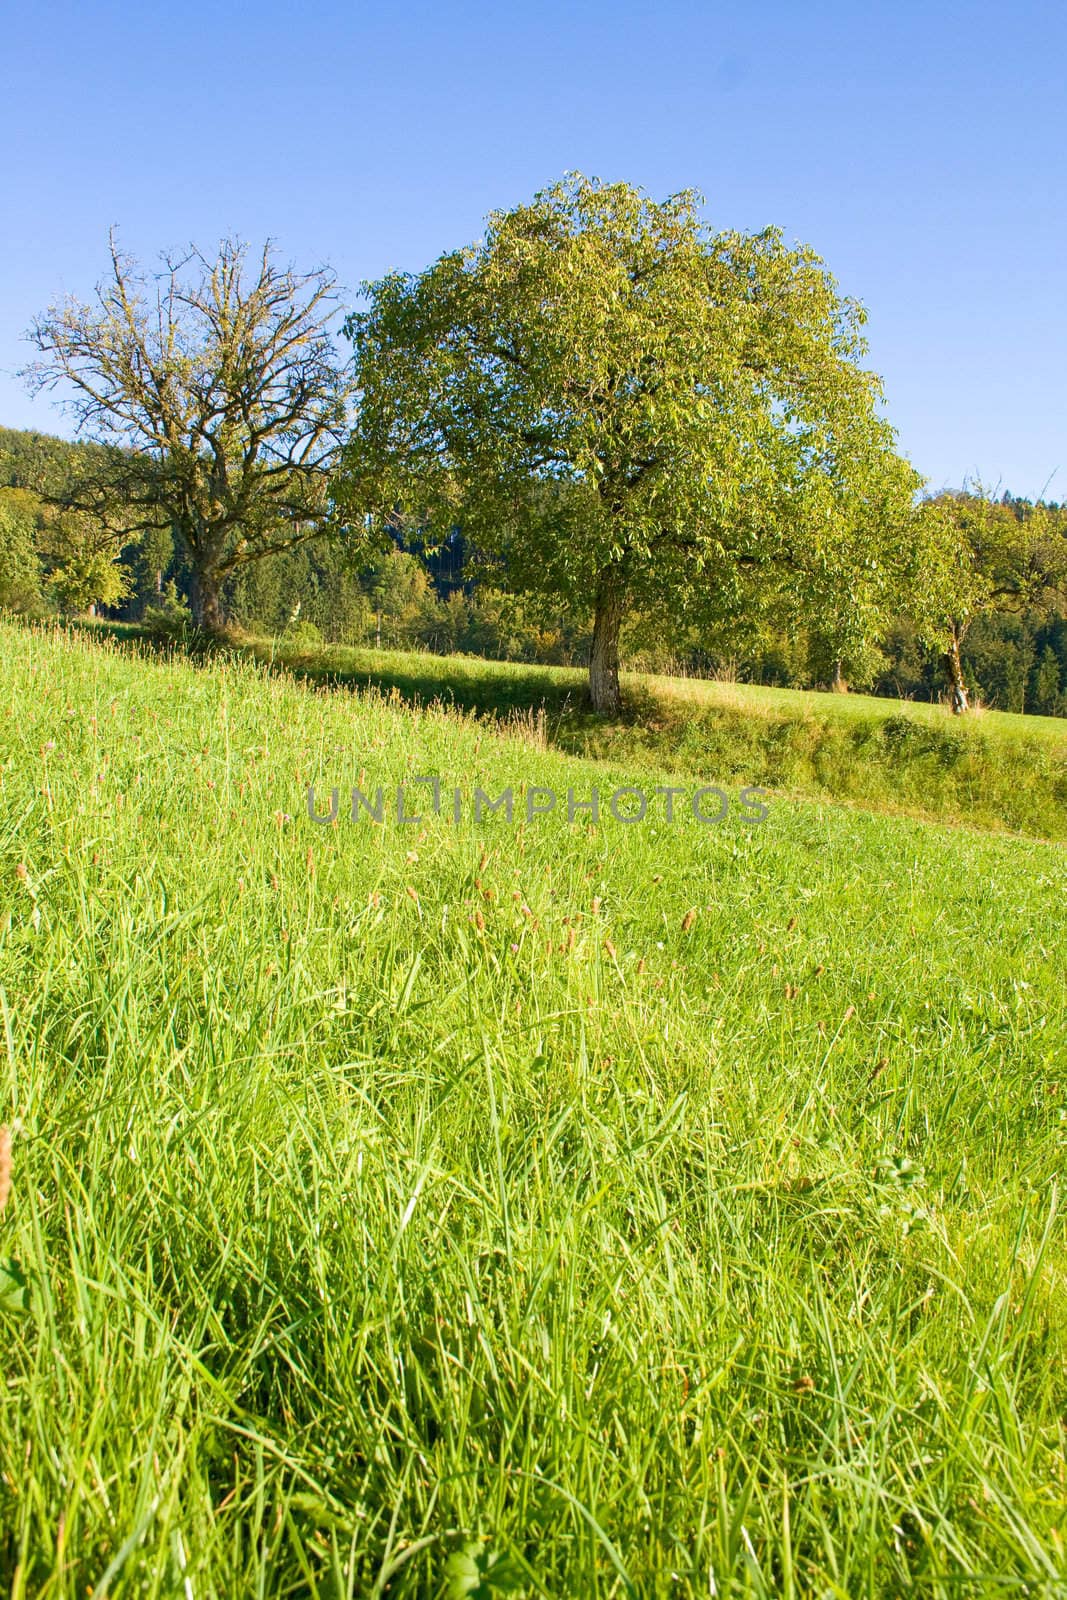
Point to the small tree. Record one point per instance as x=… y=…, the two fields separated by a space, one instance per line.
x=976 y=557
x=635 y=414
x=81 y=557
x=219 y=391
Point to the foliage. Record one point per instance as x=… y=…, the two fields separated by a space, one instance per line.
x=81 y=554
x=20 y=574
x=170 y=618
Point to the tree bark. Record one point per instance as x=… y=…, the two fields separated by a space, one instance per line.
x=604 y=656
x=957 y=682
x=205 y=600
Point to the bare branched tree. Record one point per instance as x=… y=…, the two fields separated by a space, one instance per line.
x=220 y=393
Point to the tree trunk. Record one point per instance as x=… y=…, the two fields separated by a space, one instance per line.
x=205 y=600
x=957 y=682
x=604 y=656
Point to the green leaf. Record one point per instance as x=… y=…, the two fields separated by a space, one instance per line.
x=475 y=1573
x=14 y=1286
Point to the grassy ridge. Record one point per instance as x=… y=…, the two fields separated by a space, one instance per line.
x=382 y=1192
x=991 y=770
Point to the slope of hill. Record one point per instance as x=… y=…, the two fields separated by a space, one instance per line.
x=988 y=770
x=575 y=1208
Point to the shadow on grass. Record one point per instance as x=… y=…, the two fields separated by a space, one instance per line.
x=493 y=689
x=471 y=684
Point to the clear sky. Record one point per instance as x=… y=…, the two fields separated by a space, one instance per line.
x=919 y=146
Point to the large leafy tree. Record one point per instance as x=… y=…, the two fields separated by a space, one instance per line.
x=215 y=384
x=627 y=411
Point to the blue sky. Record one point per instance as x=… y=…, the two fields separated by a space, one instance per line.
x=919 y=147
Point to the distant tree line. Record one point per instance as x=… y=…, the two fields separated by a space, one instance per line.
x=409 y=598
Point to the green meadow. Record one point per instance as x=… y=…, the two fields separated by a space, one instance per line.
x=556 y=1208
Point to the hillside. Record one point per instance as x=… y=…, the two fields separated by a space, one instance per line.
x=990 y=769
x=565 y=1207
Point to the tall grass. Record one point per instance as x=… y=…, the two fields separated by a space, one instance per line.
x=446 y=1210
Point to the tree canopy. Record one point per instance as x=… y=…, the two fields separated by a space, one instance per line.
x=626 y=409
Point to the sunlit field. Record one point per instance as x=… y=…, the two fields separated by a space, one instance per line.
x=555 y=1208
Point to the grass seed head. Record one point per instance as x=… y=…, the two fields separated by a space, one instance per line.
x=5 y=1166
